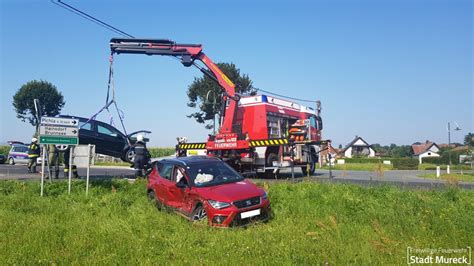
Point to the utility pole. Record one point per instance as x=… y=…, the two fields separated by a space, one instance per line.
x=449 y=139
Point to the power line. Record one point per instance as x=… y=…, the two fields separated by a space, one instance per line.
x=103 y=24
x=287 y=97
x=90 y=18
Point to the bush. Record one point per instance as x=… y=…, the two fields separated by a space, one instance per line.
x=405 y=164
x=4 y=149
x=161 y=152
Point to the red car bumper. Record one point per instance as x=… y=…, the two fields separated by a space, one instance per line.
x=235 y=216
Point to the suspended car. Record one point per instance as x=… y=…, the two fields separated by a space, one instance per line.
x=107 y=139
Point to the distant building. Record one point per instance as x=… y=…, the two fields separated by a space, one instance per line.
x=423 y=150
x=358 y=148
x=326 y=151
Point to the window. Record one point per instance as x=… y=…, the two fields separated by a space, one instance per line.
x=86 y=126
x=312 y=120
x=212 y=174
x=178 y=174
x=107 y=131
x=319 y=123
x=20 y=149
x=165 y=171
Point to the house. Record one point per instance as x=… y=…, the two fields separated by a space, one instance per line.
x=358 y=148
x=422 y=150
x=326 y=151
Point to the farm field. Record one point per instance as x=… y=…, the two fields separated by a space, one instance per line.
x=313 y=223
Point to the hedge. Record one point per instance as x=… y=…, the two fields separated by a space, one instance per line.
x=404 y=163
x=363 y=160
x=434 y=160
x=444 y=158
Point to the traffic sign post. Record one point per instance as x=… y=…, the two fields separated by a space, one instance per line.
x=58 y=131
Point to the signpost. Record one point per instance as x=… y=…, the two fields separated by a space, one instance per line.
x=58 y=131
x=83 y=157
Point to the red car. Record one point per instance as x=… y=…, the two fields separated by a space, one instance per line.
x=201 y=188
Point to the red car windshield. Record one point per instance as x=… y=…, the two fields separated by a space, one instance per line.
x=214 y=173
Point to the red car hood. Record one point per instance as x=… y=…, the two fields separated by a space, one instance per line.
x=231 y=192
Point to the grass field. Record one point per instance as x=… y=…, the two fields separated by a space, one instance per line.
x=314 y=223
x=429 y=166
x=360 y=167
x=112 y=164
x=377 y=167
x=451 y=177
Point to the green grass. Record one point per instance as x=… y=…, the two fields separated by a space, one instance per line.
x=161 y=152
x=469 y=177
x=430 y=166
x=112 y=164
x=360 y=166
x=314 y=223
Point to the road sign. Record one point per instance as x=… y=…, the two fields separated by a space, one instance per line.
x=58 y=130
x=60 y=121
x=58 y=140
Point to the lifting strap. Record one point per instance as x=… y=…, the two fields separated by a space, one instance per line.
x=110 y=99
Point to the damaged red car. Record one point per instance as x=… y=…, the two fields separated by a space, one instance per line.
x=205 y=188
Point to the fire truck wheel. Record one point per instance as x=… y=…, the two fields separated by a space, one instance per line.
x=272 y=157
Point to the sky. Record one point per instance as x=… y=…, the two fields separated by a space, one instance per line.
x=389 y=71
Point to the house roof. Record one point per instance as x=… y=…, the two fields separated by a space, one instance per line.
x=354 y=141
x=330 y=149
x=423 y=147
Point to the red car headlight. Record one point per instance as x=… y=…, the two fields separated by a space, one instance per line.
x=218 y=204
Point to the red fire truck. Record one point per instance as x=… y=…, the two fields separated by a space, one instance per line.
x=257 y=133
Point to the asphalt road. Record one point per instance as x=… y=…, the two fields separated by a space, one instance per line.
x=407 y=179
x=21 y=172
x=403 y=178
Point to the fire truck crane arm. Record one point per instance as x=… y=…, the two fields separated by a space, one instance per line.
x=188 y=53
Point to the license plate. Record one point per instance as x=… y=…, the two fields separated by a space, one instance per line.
x=250 y=214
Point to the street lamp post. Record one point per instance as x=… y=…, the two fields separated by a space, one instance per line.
x=457 y=128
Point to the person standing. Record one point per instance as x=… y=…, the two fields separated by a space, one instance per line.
x=142 y=156
x=53 y=160
x=67 y=153
x=33 y=154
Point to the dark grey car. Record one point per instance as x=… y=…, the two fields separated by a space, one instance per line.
x=107 y=139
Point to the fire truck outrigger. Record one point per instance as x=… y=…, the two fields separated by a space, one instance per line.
x=257 y=133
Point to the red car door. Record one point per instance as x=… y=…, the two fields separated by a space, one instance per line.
x=161 y=183
x=185 y=202
x=175 y=195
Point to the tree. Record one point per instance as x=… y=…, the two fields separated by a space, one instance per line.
x=469 y=139
x=400 y=151
x=50 y=99
x=206 y=94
